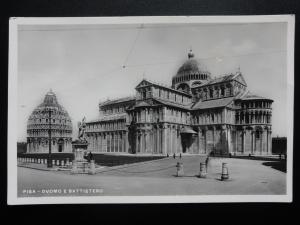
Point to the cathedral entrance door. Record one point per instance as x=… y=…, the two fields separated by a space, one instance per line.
x=187 y=139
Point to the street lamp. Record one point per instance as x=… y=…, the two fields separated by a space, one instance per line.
x=49 y=160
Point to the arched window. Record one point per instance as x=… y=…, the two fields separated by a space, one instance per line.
x=257 y=134
x=222 y=91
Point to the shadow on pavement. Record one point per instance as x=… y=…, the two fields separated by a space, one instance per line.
x=174 y=175
x=277 y=165
x=261 y=158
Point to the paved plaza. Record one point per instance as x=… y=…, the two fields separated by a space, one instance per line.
x=247 y=177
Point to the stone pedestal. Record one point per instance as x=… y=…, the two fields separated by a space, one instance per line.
x=180 y=171
x=92 y=169
x=79 y=165
x=225 y=173
x=203 y=171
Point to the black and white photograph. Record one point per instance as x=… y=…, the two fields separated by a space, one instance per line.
x=150 y=109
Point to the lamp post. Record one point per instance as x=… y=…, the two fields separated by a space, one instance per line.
x=49 y=161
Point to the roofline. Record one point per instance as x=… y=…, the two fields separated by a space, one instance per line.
x=108 y=102
x=170 y=104
x=231 y=79
x=162 y=86
x=251 y=99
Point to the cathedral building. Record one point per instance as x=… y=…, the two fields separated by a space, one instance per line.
x=198 y=114
x=49 y=116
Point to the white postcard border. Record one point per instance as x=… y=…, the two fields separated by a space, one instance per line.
x=12 y=198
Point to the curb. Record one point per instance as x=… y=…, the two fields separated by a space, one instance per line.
x=36 y=168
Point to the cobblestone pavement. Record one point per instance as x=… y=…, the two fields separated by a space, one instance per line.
x=158 y=178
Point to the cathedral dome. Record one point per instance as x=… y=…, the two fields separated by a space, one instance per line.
x=191 y=66
x=192 y=72
x=39 y=123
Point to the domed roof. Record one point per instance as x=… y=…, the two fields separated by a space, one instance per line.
x=191 y=66
x=60 y=118
x=50 y=102
x=250 y=96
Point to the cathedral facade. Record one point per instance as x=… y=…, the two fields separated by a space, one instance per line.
x=197 y=114
x=49 y=123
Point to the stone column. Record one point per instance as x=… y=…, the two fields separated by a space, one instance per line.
x=199 y=140
x=94 y=140
x=116 y=136
x=109 y=141
x=126 y=143
x=175 y=140
x=253 y=142
x=205 y=140
x=97 y=142
x=104 y=142
x=229 y=139
x=243 y=141
x=158 y=140
x=223 y=133
x=142 y=137
x=150 y=143
x=112 y=141
x=171 y=140
x=261 y=142
x=137 y=143
x=236 y=140
x=101 y=142
x=145 y=141
x=213 y=137
x=269 y=142
x=164 y=140
x=179 y=141
x=118 y=141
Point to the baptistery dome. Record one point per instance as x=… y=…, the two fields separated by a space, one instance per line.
x=191 y=73
x=49 y=115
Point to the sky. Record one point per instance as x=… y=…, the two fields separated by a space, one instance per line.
x=87 y=64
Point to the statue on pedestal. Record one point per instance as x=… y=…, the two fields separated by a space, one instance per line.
x=80 y=164
x=81 y=130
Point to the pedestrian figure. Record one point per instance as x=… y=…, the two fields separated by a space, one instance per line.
x=174 y=156
x=91 y=157
x=167 y=154
x=180 y=155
